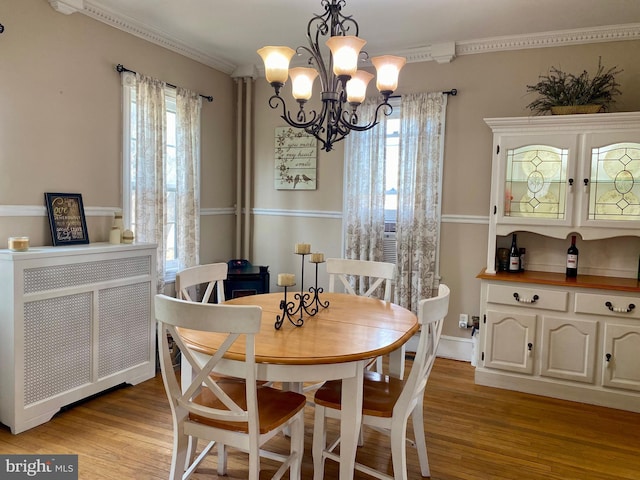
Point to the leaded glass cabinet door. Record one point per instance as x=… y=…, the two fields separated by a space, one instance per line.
x=613 y=181
x=537 y=180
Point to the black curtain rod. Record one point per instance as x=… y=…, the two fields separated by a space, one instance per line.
x=453 y=92
x=121 y=68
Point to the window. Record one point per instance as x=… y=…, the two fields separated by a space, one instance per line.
x=393 y=187
x=391 y=158
x=171 y=190
x=391 y=155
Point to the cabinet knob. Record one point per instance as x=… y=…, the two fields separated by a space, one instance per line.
x=628 y=309
x=571 y=182
x=586 y=182
x=529 y=346
x=608 y=355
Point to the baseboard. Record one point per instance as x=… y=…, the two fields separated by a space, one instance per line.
x=455 y=348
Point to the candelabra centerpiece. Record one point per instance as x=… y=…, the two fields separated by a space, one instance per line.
x=303 y=302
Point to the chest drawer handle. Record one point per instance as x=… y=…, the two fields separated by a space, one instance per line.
x=619 y=309
x=525 y=300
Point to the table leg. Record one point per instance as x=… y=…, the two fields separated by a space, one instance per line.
x=350 y=422
x=396 y=362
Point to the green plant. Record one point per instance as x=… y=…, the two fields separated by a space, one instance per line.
x=560 y=88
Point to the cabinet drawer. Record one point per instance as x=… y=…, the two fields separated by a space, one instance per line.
x=534 y=297
x=609 y=305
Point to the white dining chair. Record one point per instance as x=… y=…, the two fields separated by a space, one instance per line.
x=222 y=410
x=387 y=401
x=212 y=274
x=378 y=274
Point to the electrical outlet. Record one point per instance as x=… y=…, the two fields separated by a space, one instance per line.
x=463 y=321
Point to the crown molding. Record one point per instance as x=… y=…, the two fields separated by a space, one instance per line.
x=441 y=53
x=611 y=33
x=140 y=30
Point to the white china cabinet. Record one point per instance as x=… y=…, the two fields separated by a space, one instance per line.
x=75 y=320
x=543 y=333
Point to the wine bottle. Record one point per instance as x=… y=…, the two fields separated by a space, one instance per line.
x=572 y=258
x=514 y=255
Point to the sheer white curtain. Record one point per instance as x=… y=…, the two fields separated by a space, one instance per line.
x=422 y=131
x=364 y=192
x=150 y=203
x=188 y=107
x=150 y=158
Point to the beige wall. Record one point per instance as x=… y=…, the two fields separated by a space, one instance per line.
x=489 y=85
x=61 y=124
x=60 y=130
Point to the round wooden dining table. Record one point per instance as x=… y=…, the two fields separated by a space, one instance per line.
x=336 y=343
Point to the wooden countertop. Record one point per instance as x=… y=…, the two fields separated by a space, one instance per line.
x=559 y=279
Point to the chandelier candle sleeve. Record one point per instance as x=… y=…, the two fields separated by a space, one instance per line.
x=317 y=257
x=303 y=248
x=286 y=279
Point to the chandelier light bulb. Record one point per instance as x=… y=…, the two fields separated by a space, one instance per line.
x=276 y=63
x=345 y=51
x=357 y=87
x=302 y=79
x=388 y=68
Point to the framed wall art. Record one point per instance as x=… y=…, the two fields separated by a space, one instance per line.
x=295 y=159
x=66 y=218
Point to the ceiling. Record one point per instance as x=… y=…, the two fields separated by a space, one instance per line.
x=226 y=34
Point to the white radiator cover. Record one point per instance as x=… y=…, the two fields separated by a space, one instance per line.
x=75 y=321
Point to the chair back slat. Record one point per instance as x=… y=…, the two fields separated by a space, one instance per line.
x=377 y=273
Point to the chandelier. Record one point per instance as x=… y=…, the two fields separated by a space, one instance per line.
x=343 y=85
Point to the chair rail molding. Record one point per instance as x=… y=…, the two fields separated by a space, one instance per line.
x=41 y=211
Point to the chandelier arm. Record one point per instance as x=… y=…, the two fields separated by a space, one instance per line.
x=349 y=119
x=274 y=100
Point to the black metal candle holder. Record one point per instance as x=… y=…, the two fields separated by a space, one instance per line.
x=303 y=301
x=289 y=310
x=316 y=291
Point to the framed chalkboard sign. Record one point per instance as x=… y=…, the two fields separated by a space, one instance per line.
x=66 y=218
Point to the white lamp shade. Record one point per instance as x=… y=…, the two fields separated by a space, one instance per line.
x=345 y=50
x=357 y=86
x=388 y=67
x=276 y=63
x=302 y=82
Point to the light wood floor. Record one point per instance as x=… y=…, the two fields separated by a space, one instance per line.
x=473 y=433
